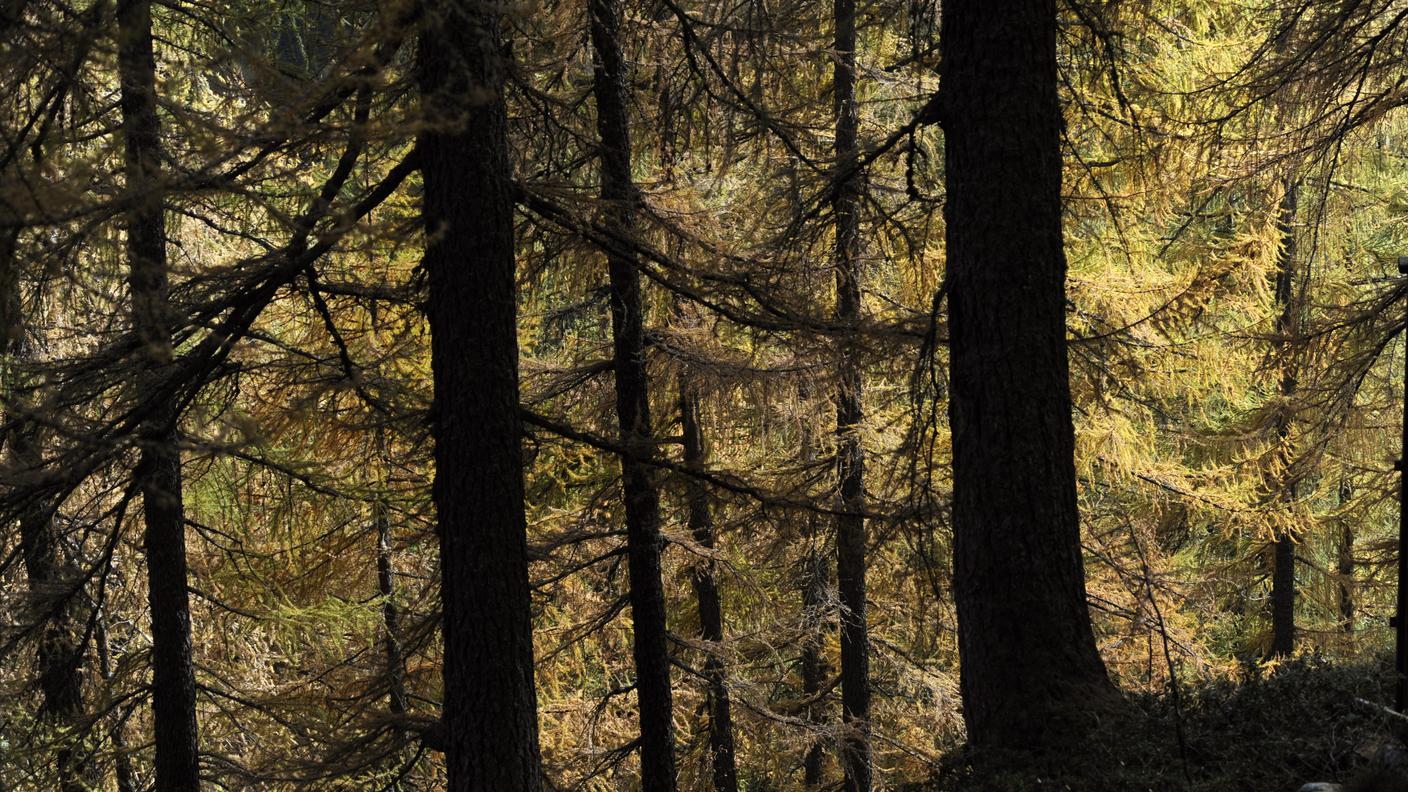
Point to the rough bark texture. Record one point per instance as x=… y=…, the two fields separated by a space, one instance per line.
x=1283 y=573
x=1029 y=665
x=854 y=747
x=158 y=472
x=490 y=703
x=706 y=591
x=642 y=498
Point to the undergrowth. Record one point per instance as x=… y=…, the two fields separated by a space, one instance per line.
x=1275 y=729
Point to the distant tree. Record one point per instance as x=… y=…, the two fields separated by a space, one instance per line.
x=1287 y=286
x=704 y=578
x=638 y=485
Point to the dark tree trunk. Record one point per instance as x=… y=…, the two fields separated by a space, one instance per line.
x=1029 y=665
x=1345 y=565
x=490 y=707
x=386 y=587
x=706 y=591
x=815 y=576
x=813 y=664
x=854 y=747
x=642 y=499
x=1283 y=573
x=122 y=770
x=158 y=472
x=59 y=658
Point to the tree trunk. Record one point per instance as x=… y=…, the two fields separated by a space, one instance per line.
x=706 y=590
x=642 y=499
x=1283 y=574
x=850 y=460
x=1029 y=668
x=490 y=703
x=122 y=761
x=814 y=664
x=815 y=577
x=59 y=658
x=1345 y=565
x=386 y=587
x=158 y=472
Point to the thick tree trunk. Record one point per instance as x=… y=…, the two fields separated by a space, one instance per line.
x=1029 y=664
x=706 y=591
x=1283 y=574
x=158 y=472
x=642 y=499
x=854 y=745
x=490 y=703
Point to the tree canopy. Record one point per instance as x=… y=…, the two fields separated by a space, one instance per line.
x=678 y=395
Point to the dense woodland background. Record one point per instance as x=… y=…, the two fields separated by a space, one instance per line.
x=669 y=394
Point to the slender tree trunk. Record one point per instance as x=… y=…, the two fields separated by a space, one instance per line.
x=814 y=665
x=158 y=473
x=642 y=499
x=59 y=657
x=490 y=703
x=122 y=762
x=1283 y=574
x=850 y=458
x=706 y=591
x=814 y=611
x=386 y=587
x=1029 y=668
x=1345 y=565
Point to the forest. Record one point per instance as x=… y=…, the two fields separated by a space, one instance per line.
x=703 y=395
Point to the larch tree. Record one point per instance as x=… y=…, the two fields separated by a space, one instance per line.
x=1029 y=665
x=490 y=721
x=158 y=472
x=50 y=575
x=704 y=577
x=1287 y=284
x=639 y=489
x=854 y=748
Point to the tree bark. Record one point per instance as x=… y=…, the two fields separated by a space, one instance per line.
x=1283 y=574
x=706 y=591
x=642 y=499
x=490 y=702
x=158 y=472
x=854 y=746
x=1029 y=667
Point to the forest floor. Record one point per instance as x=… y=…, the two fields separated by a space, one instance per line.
x=1301 y=721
